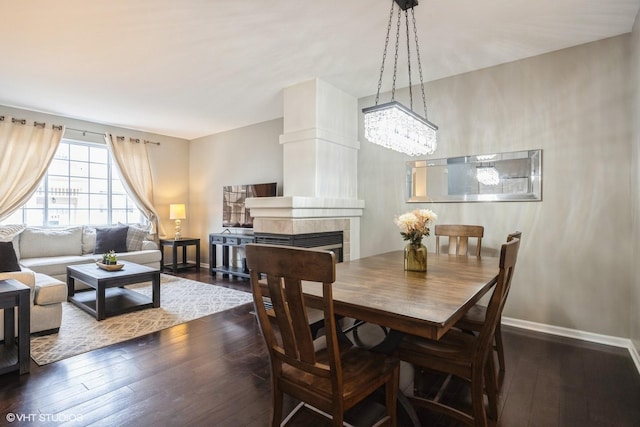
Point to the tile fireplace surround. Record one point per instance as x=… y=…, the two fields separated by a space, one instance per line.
x=303 y=215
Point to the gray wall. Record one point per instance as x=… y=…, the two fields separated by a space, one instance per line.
x=575 y=264
x=635 y=186
x=246 y=155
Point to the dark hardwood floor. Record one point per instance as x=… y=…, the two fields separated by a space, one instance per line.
x=214 y=372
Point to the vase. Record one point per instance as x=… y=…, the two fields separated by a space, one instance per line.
x=415 y=257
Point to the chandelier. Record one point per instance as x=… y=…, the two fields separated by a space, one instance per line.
x=391 y=124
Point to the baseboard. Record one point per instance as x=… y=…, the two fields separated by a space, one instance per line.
x=576 y=334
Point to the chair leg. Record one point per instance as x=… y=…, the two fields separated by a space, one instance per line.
x=276 y=404
x=477 y=397
x=391 y=396
x=499 y=347
x=492 y=388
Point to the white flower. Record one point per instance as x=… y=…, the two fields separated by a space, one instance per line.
x=415 y=225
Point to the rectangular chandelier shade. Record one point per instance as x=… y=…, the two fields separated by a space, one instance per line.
x=394 y=126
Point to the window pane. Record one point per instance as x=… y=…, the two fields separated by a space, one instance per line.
x=59 y=167
x=99 y=154
x=99 y=186
x=98 y=170
x=98 y=217
x=79 y=152
x=80 y=216
x=120 y=215
x=62 y=152
x=34 y=217
x=117 y=187
x=78 y=168
x=119 y=202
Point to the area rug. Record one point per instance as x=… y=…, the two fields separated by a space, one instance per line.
x=181 y=300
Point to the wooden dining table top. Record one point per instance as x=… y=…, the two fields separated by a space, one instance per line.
x=376 y=289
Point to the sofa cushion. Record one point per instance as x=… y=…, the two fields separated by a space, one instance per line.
x=141 y=257
x=8 y=232
x=111 y=239
x=88 y=239
x=8 y=258
x=44 y=242
x=49 y=290
x=56 y=266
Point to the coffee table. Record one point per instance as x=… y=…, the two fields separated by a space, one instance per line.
x=111 y=297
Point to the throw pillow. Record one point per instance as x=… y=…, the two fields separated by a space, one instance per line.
x=8 y=259
x=111 y=239
x=135 y=236
x=8 y=232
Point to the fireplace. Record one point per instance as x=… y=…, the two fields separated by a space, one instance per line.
x=332 y=240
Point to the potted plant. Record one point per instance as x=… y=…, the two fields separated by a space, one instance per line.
x=110 y=258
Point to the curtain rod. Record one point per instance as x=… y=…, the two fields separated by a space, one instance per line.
x=35 y=123
x=86 y=131
x=137 y=140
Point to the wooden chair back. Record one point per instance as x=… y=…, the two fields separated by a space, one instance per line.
x=508 y=258
x=331 y=379
x=285 y=269
x=459 y=235
x=514 y=235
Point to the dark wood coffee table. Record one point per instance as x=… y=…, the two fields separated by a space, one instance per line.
x=110 y=297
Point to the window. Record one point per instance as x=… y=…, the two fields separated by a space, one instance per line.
x=80 y=188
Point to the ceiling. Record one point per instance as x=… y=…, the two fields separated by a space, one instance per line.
x=193 y=68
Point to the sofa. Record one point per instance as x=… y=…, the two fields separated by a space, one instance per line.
x=42 y=256
x=50 y=251
x=46 y=297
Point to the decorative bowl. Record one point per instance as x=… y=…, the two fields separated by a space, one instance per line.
x=110 y=267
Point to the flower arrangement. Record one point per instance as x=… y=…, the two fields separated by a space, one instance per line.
x=415 y=225
x=110 y=258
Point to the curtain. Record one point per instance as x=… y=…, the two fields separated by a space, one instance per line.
x=27 y=149
x=132 y=161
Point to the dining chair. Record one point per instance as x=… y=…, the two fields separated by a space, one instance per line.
x=474 y=319
x=458 y=236
x=331 y=378
x=464 y=355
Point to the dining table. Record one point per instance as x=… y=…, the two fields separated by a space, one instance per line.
x=377 y=289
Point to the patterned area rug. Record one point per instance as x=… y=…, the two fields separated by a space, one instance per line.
x=181 y=300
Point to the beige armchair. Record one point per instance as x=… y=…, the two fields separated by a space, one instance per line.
x=47 y=295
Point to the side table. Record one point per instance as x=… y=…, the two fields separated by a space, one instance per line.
x=15 y=357
x=183 y=243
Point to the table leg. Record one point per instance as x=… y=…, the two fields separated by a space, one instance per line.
x=174 y=252
x=156 y=290
x=100 y=303
x=198 y=256
x=24 y=330
x=9 y=327
x=71 y=289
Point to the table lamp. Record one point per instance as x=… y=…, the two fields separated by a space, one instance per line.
x=178 y=213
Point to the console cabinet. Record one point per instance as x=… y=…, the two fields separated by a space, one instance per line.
x=227 y=241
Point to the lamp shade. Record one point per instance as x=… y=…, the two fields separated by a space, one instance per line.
x=177 y=211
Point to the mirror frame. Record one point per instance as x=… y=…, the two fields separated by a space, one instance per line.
x=519 y=176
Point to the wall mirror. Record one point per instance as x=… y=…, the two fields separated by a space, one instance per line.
x=513 y=176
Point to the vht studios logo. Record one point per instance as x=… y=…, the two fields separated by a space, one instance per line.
x=12 y=417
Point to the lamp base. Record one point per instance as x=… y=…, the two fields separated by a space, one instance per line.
x=177 y=235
